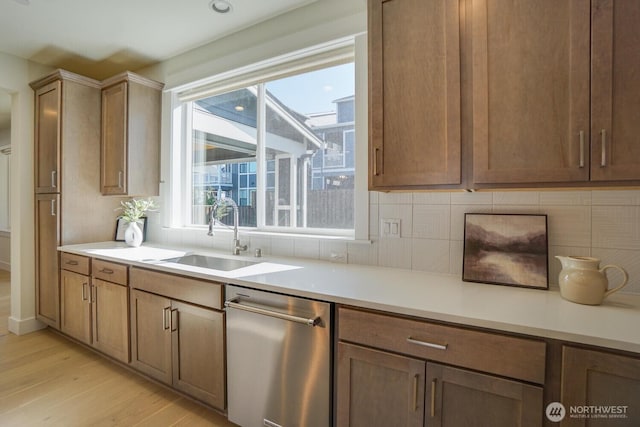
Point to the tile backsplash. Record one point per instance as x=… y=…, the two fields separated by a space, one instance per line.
x=600 y=223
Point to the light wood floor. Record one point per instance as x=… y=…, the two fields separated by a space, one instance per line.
x=46 y=380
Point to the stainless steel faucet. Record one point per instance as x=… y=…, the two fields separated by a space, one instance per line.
x=237 y=247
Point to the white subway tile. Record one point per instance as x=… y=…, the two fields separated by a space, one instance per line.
x=475 y=198
x=616 y=227
x=564 y=198
x=334 y=251
x=363 y=254
x=394 y=253
x=628 y=260
x=516 y=198
x=260 y=242
x=526 y=209
x=395 y=198
x=430 y=255
x=374 y=221
x=431 y=221
x=568 y=225
x=281 y=246
x=455 y=257
x=432 y=198
x=616 y=197
x=306 y=248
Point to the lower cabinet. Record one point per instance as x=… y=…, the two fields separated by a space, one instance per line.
x=388 y=374
x=600 y=388
x=93 y=310
x=178 y=343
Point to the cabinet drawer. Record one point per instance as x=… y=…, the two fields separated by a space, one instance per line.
x=109 y=271
x=200 y=292
x=75 y=263
x=512 y=357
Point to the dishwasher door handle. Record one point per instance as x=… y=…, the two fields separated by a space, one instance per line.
x=305 y=321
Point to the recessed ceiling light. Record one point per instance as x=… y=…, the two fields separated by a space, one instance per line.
x=239 y=108
x=219 y=6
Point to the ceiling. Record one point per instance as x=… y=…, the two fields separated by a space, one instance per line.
x=100 y=38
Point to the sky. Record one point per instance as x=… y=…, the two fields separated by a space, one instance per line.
x=314 y=92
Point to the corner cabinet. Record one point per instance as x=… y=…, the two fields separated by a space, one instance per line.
x=130 y=150
x=177 y=333
x=593 y=378
x=404 y=372
x=414 y=93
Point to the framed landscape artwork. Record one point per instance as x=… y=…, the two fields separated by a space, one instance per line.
x=506 y=249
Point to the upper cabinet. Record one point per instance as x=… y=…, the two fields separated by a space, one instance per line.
x=615 y=90
x=486 y=94
x=130 y=154
x=47 y=137
x=530 y=75
x=414 y=84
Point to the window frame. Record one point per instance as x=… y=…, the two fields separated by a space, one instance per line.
x=343 y=51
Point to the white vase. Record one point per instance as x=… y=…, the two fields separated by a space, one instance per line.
x=133 y=235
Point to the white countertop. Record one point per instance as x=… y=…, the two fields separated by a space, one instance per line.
x=614 y=324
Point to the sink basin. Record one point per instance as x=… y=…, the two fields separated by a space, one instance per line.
x=214 y=263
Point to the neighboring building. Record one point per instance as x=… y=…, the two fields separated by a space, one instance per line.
x=318 y=149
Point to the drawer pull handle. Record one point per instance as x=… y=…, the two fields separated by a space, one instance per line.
x=433 y=398
x=174 y=323
x=53 y=179
x=603 y=153
x=166 y=324
x=72 y=262
x=84 y=291
x=581 y=148
x=415 y=392
x=427 y=344
x=106 y=271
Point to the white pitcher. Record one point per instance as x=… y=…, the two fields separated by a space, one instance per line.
x=582 y=281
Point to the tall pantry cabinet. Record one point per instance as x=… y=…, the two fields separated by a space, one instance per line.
x=69 y=207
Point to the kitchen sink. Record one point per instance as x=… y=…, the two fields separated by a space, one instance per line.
x=214 y=263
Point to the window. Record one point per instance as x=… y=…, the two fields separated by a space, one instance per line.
x=281 y=148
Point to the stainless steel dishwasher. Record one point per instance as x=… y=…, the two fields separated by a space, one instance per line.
x=278 y=359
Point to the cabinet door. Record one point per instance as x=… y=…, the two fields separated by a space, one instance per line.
x=414 y=82
x=151 y=335
x=113 y=160
x=530 y=78
x=376 y=388
x=111 y=319
x=601 y=380
x=198 y=352
x=615 y=91
x=460 y=398
x=47 y=137
x=47 y=241
x=75 y=306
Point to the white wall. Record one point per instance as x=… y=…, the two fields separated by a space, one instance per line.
x=15 y=75
x=5 y=250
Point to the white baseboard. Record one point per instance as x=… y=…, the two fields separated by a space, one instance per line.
x=25 y=326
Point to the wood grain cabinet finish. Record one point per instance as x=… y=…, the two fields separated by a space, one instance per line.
x=69 y=206
x=615 y=90
x=47 y=234
x=377 y=388
x=530 y=74
x=110 y=311
x=177 y=342
x=414 y=93
x=94 y=311
x=75 y=305
x=386 y=374
x=555 y=88
x=130 y=150
x=600 y=379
